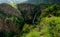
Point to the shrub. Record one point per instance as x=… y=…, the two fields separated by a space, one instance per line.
x=53 y=10
x=33 y=34
x=50 y=27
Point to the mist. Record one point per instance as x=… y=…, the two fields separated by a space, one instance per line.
x=12 y=1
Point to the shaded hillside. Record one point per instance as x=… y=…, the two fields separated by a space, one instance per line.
x=29 y=11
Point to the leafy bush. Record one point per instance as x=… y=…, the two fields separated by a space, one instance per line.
x=50 y=27
x=33 y=34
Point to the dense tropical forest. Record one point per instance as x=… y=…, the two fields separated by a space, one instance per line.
x=30 y=20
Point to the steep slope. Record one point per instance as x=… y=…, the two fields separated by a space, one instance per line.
x=8 y=9
x=10 y=20
x=29 y=11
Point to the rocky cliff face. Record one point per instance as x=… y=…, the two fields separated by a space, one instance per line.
x=8 y=9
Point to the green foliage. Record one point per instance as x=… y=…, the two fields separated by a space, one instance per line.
x=26 y=28
x=33 y=34
x=50 y=26
x=52 y=10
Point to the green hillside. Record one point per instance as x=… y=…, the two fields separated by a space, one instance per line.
x=29 y=20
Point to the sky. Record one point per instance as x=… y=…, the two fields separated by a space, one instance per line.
x=11 y=1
